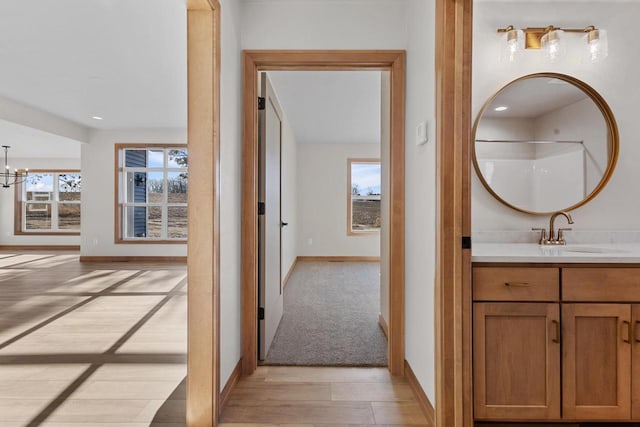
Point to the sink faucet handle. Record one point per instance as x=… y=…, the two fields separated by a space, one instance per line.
x=543 y=235
x=561 y=235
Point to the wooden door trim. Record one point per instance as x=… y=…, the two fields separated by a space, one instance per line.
x=635 y=362
x=203 y=245
x=453 y=44
x=260 y=60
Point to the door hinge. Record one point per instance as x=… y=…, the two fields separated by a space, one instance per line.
x=261 y=208
x=262 y=103
x=466 y=242
x=260 y=313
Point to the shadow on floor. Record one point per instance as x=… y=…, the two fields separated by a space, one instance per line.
x=173 y=411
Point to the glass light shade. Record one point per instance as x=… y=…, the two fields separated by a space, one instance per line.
x=553 y=45
x=512 y=45
x=597 y=45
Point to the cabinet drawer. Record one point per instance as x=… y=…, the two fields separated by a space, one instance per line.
x=515 y=284
x=601 y=284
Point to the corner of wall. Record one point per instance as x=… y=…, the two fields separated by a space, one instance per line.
x=421 y=197
x=230 y=187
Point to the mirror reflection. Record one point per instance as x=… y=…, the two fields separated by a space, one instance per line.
x=545 y=143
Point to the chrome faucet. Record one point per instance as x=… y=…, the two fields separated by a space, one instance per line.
x=553 y=240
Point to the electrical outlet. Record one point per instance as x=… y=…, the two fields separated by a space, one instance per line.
x=309 y=241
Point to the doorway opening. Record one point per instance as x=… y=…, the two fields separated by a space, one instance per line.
x=392 y=64
x=323 y=217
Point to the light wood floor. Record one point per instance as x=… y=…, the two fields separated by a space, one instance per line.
x=277 y=395
x=91 y=344
x=105 y=345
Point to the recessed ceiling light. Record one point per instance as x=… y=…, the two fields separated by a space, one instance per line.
x=96 y=118
x=501 y=108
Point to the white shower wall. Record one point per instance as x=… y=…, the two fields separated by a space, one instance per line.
x=538 y=184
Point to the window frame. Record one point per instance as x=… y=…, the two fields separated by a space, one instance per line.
x=20 y=205
x=120 y=204
x=350 y=162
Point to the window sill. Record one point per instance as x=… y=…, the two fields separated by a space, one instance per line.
x=363 y=233
x=46 y=233
x=149 y=242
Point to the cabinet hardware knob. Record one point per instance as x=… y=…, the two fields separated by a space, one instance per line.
x=628 y=325
x=517 y=284
x=556 y=325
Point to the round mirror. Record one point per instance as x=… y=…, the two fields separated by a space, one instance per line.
x=544 y=143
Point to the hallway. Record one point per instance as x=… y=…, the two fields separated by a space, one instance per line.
x=87 y=344
x=331 y=317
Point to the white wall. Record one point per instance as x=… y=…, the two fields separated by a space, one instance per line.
x=505 y=128
x=539 y=183
x=322 y=201
x=613 y=78
x=420 y=240
x=289 y=197
x=379 y=24
x=558 y=178
x=7 y=202
x=580 y=121
x=98 y=162
x=329 y=24
x=231 y=190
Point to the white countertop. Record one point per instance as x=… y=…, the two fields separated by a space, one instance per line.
x=570 y=253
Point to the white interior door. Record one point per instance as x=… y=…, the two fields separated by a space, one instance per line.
x=269 y=224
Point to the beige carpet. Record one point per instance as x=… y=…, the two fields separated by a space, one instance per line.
x=331 y=317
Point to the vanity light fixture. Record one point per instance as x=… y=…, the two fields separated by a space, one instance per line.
x=597 y=44
x=553 y=45
x=513 y=43
x=501 y=108
x=551 y=40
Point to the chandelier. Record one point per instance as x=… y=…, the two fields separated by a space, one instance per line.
x=7 y=177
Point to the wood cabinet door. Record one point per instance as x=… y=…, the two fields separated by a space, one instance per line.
x=516 y=361
x=596 y=361
x=635 y=363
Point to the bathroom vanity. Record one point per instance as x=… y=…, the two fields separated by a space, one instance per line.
x=552 y=329
x=556 y=333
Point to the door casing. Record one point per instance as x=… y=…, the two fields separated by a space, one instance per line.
x=254 y=61
x=203 y=244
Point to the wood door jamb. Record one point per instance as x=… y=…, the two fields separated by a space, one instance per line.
x=253 y=61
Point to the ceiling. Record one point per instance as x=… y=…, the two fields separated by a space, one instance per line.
x=27 y=142
x=122 y=60
x=330 y=106
x=125 y=61
x=534 y=97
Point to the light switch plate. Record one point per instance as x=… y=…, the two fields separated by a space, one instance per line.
x=422 y=133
